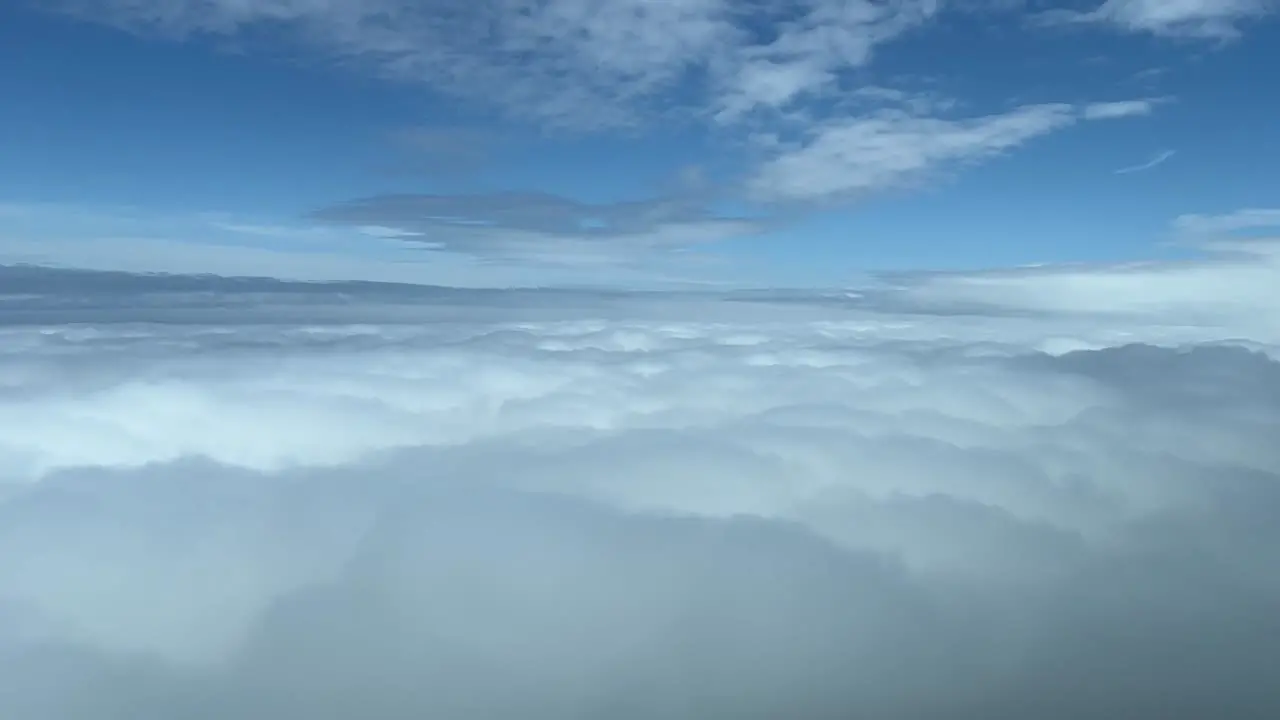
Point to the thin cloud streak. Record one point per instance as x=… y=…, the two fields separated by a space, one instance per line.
x=1121 y=109
x=1203 y=19
x=1226 y=223
x=1156 y=161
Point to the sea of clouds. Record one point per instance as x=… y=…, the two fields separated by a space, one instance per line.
x=254 y=499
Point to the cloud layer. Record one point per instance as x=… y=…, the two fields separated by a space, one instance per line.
x=540 y=227
x=253 y=499
x=1231 y=288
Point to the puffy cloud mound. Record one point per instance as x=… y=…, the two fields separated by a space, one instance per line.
x=239 y=500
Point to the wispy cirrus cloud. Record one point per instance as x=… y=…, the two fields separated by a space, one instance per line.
x=1157 y=160
x=781 y=72
x=506 y=240
x=1121 y=108
x=573 y=63
x=859 y=155
x=1210 y=19
x=846 y=159
x=543 y=228
x=1245 y=219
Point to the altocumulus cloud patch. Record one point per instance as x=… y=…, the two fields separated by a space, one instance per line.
x=354 y=501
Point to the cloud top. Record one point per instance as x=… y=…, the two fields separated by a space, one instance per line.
x=394 y=503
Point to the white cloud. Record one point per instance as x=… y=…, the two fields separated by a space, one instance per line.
x=864 y=154
x=568 y=62
x=1247 y=219
x=543 y=227
x=276 y=232
x=304 y=232
x=513 y=260
x=849 y=158
x=382 y=231
x=385 y=503
x=787 y=71
x=649 y=247
x=1157 y=160
x=1233 y=286
x=1119 y=109
x=1189 y=18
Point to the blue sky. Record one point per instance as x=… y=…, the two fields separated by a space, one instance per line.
x=512 y=142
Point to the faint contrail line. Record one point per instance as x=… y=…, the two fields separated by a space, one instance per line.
x=1157 y=160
